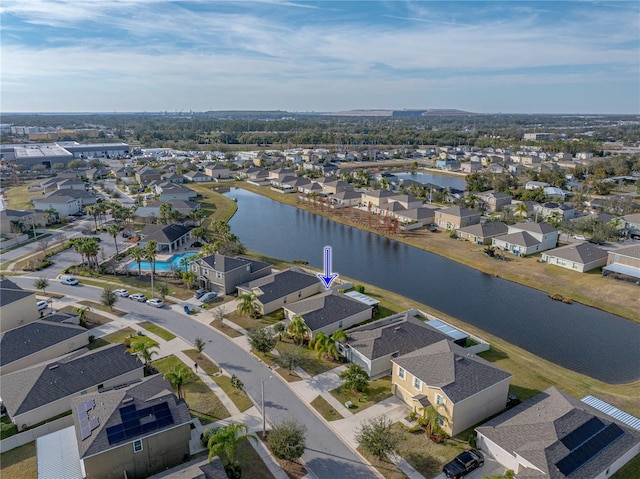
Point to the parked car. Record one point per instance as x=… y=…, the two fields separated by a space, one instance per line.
x=138 y=297
x=463 y=464
x=201 y=292
x=67 y=279
x=42 y=305
x=208 y=297
x=123 y=293
x=155 y=302
x=579 y=237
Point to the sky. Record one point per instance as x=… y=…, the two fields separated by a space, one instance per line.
x=323 y=56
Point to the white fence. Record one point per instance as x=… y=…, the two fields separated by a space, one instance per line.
x=26 y=437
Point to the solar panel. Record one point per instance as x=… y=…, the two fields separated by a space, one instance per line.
x=85 y=425
x=137 y=422
x=582 y=433
x=587 y=451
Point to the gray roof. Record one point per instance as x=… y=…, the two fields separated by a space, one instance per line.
x=400 y=334
x=583 y=253
x=632 y=251
x=522 y=238
x=281 y=284
x=224 y=264
x=447 y=366
x=532 y=227
x=486 y=230
x=164 y=233
x=535 y=430
x=327 y=308
x=26 y=340
x=142 y=394
x=7 y=215
x=39 y=385
x=60 y=317
x=420 y=213
x=348 y=195
x=10 y=292
x=459 y=212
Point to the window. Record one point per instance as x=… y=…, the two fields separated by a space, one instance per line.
x=417 y=384
x=218 y=275
x=340 y=324
x=137 y=446
x=401 y=373
x=561 y=262
x=440 y=399
x=205 y=272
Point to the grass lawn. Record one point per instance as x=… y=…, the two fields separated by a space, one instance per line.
x=157 y=330
x=310 y=362
x=253 y=467
x=7 y=428
x=228 y=330
x=218 y=206
x=203 y=362
x=250 y=323
x=92 y=318
x=239 y=398
x=120 y=336
x=19 y=463
x=102 y=307
x=202 y=402
x=387 y=468
x=325 y=409
x=376 y=391
x=18 y=196
x=630 y=471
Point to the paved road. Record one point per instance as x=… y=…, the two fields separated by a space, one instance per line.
x=327 y=456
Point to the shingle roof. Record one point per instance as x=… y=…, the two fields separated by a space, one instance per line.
x=449 y=367
x=10 y=292
x=542 y=228
x=459 y=212
x=327 y=308
x=26 y=340
x=486 y=230
x=401 y=333
x=521 y=238
x=142 y=394
x=39 y=385
x=164 y=233
x=583 y=253
x=535 y=430
x=224 y=264
x=633 y=251
x=280 y=284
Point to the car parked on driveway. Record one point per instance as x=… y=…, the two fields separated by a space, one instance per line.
x=155 y=302
x=138 y=297
x=42 y=305
x=200 y=293
x=463 y=464
x=123 y=293
x=208 y=297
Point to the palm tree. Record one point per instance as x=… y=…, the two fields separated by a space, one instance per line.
x=82 y=313
x=431 y=419
x=521 y=210
x=143 y=349
x=178 y=376
x=226 y=440
x=249 y=305
x=322 y=343
x=188 y=277
x=94 y=211
x=91 y=249
x=138 y=255
x=199 y=233
x=113 y=231
x=150 y=254
x=298 y=329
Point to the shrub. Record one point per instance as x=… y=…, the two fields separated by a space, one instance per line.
x=287 y=440
x=359 y=288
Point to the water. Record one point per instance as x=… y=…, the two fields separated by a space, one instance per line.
x=170 y=264
x=445 y=181
x=577 y=337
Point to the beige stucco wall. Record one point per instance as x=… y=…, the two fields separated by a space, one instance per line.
x=18 y=313
x=291 y=298
x=572 y=265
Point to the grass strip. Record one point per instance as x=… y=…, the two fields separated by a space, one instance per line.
x=157 y=330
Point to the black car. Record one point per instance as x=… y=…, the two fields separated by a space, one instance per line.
x=463 y=464
x=200 y=293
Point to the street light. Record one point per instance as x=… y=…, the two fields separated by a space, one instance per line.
x=264 y=416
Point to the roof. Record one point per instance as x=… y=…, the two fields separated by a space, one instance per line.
x=632 y=218
x=459 y=211
x=561 y=436
x=612 y=411
x=632 y=251
x=486 y=230
x=278 y=285
x=401 y=333
x=327 y=308
x=164 y=233
x=10 y=292
x=521 y=238
x=541 y=228
x=363 y=298
x=32 y=337
x=583 y=253
x=39 y=385
x=447 y=366
x=151 y=397
x=57 y=455
x=453 y=333
x=224 y=264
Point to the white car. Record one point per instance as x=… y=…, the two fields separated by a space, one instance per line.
x=70 y=280
x=42 y=305
x=138 y=297
x=121 y=292
x=579 y=237
x=155 y=302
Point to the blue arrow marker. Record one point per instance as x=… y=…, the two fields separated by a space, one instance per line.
x=328 y=277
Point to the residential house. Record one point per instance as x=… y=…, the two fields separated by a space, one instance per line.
x=631 y=224
x=554 y=193
x=493 y=200
x=346 y=198
x=373 y=345
x=40 y=340
x=255 y=174
x=173 y=177
x=169 y=237
x=409 y=202
x=146 y=174
x=470 y=166
x=483 y=233
x=534 y=185
x=463 y=388
x=64 y=205
x=86 y=198
x=550 y=209
x=416 y=217
x=581 y=257
x=376 y=198
x=329 y=311
x=71 y=184
x=17 y=306
x=448 y=164
x=170 y=191
x=557 y=436
x=523 y=239
x=12 y=220
x=284 y=287
x=217 y=172
x=43 y=391
x=94 y=174
x=224 y=273
x=623 y=263
x=196 y=176
x=151 y=211
x=455 y=217
x=131 y=432
x=337 y=186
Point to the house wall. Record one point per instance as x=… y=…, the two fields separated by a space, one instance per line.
x=290 y=298
x=346 y=322
x=480 y=406
x=165 y=197
x=572 y=265
x=619 y=463
x=451 y=222
x=18 y=313
x=366 y=199
x=29 y=418
x=46 y=354
x=159 y=452
x=494 y=451
x=613 y=257
x=63 y=209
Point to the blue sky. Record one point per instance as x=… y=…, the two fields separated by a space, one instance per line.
x=156 y=55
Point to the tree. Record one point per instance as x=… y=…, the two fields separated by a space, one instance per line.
x=150 y=253
x=178 y=376
x=377 y=437
x=143 y=349
x=113 y=231
x=355 y=377
x=262 y=340
x=322 y=343
x=188 y=277
x=226 y=439
x=199 y=344
x=249 y=305
x=431 y=419
x=108 y=297
x=138 y=255
x=82 y=313
x=521 y=210
x=298 y=329
x=289 y=358
x=42 y=284
x=163 y=290
x=287 y=440
x=359 y=288
x=236 y=383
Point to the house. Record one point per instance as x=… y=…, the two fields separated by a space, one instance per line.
x=329 y=311
x=463 y=388
x=631 y=224
x=217 y=172
x=173 y=177
x=171 y=191
x=224 y=273
x=132 y=432
x=17 y=306
x=470 y=166
x=623 y=263
x=25 y=219
x=255 y=174
x=99 y=173
x=409 y=202
x=551 y=209
x=373 y=345
x=40 y=392
x=493 y=200
x=284 y=287
x=86 y=197
x=417 y=217
x=151 y=211
x=337 y=186
x=523 y=239
x=534 y=185
x=376 y=198
x=581 y=257
x=40 y=340
x=168 y=237
x=455 y=217
x=557 y=436
x=346 y=198
x=554 y=192
x=196 y=176
x=483 y=233
x=65 y=205
x=146 y=174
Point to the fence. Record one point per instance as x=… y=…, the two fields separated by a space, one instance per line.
x=30 y=435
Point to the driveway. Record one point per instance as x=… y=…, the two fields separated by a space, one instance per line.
x=490 y=468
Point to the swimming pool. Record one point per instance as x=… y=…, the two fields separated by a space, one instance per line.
x=170 y=264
